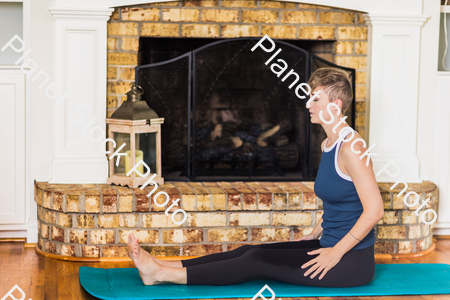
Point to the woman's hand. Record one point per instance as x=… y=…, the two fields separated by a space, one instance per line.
x=326 y=260
x=306 y=238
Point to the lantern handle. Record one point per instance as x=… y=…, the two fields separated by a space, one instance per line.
x=135 y=93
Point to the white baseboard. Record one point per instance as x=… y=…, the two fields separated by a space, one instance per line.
x=441 y=228
x=13 y=234
x=32 y=233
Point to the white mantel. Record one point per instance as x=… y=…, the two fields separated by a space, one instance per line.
x=393 y=77
x=402 y=52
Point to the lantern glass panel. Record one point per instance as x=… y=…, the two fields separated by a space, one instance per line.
x=146 y=142
x=121 y=138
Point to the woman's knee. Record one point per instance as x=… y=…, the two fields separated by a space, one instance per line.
x=243 y=249
x=254 y=254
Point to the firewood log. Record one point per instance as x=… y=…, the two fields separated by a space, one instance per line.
x=267 y=137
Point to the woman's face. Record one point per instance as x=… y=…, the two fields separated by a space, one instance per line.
x=320 y=103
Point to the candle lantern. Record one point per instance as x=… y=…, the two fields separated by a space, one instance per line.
x=137 y=126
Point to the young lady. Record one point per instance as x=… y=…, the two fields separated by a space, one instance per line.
x=343 y=257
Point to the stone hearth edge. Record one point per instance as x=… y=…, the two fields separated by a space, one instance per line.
x=94 y=220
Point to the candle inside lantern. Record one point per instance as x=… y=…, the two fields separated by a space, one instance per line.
x=139 y=157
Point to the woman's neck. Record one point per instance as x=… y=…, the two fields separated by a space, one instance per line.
x=333 y=136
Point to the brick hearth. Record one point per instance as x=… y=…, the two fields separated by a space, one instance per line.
x=94 y=220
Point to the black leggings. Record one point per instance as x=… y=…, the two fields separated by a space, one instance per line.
x=279 y=261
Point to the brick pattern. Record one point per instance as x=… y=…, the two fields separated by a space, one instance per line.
x=345 y=29
x=94 y=220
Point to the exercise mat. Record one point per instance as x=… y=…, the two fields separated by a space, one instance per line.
x=389 y=279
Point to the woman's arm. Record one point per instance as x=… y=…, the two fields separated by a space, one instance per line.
x=317 y=229
x=314 y=234
x=367 y=188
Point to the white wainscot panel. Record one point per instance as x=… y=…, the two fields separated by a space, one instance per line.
x=12 y=153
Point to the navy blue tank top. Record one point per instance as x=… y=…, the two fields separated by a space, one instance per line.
x=341 y=204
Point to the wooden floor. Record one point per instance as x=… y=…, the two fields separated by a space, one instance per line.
x=43 y=278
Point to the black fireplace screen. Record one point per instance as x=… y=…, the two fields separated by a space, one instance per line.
x=229 y=117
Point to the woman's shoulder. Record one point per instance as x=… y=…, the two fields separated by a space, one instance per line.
x=353 y=142
x=352 y=149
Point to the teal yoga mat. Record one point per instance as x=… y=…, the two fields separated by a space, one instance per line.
x=389 y=279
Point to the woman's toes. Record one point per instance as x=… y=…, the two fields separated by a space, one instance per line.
x=131 y=245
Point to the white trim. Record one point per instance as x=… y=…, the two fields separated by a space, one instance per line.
x=30 y=204
x=394 y=19
x=78 y=158
x=336 y=165
x=14 y=176
x=12 y=227
x=443 y=143
x=32 y=232
x=13 y=234
x=441 y=231
x=339 y=143
x=328 y=149
x=69 y=13
x=394 y=44
x=445 y=8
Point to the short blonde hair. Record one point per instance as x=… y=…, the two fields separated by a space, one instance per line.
x=336 y=84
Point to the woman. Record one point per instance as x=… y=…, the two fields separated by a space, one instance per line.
x=343 y=257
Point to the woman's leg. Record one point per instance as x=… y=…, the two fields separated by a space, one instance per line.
x=237 y=252
x=280 y=261
x=356 y=268
x=243 y=249
x=152 y=271
x=170 y=263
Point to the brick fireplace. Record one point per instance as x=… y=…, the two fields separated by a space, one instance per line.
x=337 y=35
x=156 y=32
x=82 y=221
x=93 y=220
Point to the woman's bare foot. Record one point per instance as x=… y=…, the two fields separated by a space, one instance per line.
x=168 y=263
x=149 y=270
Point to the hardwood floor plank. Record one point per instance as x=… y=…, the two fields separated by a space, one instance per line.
x=51 y=280
x=64 y=287
x=44 y=278
x=7 y=284
x=37 y=292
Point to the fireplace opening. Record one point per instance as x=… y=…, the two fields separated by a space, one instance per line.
x=227 y=115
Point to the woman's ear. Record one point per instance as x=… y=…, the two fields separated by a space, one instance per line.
x=340 y=104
